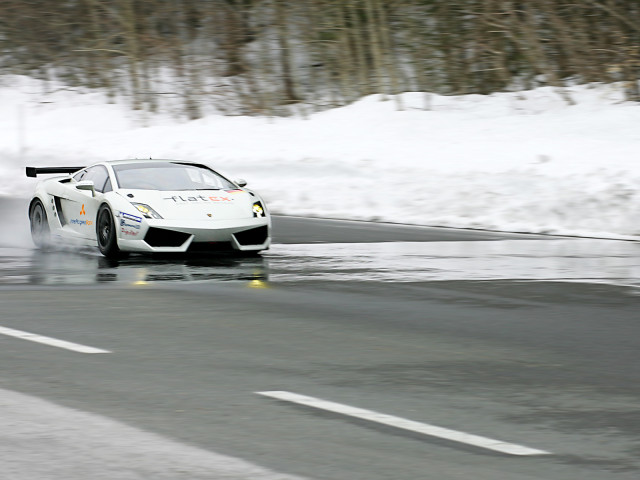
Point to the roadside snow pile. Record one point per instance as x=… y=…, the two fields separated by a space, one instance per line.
x=525 y=161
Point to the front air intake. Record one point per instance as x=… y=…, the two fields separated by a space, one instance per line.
x=255 y=236
x=160 y=237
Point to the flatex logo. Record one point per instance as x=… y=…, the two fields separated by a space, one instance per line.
x=199 y=198
x=82 y=211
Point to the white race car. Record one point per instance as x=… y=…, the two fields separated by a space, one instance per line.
x=149 y=206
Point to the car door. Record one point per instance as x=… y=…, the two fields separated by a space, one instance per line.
x=80 y=206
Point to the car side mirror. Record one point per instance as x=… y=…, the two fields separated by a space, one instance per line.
x=241 y=182
x=87 y=185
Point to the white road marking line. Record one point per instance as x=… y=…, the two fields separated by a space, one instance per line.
x=53 y=342
x=108 y=449
x=403 y=423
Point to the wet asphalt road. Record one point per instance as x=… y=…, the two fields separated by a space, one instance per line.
x=523 y=339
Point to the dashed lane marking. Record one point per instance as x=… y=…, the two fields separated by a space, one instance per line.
x=53 y=342
x=403 y=423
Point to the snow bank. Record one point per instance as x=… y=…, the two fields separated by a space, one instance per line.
x=523 y=161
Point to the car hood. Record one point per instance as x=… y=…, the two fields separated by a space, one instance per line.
x=195 y=204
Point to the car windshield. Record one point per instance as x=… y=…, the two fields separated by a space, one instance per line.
x=169 y=176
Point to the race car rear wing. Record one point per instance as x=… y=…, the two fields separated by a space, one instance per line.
x=35 y=171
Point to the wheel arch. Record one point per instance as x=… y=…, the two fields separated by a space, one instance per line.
x=47 y=211
x=36 y=198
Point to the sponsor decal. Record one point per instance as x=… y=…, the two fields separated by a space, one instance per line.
x=199 y=198
x=82 y=212
x=130 y=217
x=75 y=221
x=129 y=232
x=236 y=190
x=124 y=223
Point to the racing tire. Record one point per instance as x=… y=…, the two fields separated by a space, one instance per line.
x=39 y=224
x=106 y=233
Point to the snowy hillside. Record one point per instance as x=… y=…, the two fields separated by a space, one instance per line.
x=515 y=161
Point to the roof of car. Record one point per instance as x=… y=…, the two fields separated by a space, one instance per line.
x=143 y=160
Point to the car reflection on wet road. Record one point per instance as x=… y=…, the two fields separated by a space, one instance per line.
x=19 y=267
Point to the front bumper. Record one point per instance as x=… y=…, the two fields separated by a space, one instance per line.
x=164 y=236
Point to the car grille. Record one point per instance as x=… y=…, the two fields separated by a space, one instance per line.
x=160 y=237
x=254 y=236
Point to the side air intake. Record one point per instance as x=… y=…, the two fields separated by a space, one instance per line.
x=254 y=236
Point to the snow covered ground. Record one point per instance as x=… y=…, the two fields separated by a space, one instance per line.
x=525 y=162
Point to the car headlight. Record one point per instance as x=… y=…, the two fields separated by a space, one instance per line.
x=146 y=210
x=258 y=210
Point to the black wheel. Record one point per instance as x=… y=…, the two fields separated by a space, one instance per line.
x=106 y=233
x=39 y=225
